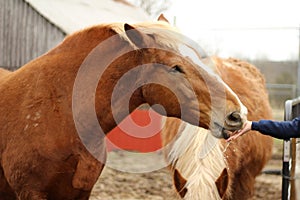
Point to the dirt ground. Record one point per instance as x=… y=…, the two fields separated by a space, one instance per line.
x=157 y=185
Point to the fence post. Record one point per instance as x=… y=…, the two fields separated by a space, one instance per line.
x=285 y=170
x=291 y=156
x=286 y=155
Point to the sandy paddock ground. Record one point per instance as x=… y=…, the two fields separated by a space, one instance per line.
x=157 y=185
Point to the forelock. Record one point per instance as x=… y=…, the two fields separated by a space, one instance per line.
x=165 y=35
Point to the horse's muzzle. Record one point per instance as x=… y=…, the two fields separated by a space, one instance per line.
x=234 y=121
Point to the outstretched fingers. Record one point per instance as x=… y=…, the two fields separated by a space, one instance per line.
x=235 y=135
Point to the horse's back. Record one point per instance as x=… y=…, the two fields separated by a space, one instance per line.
x=248 y=83
x=4 y=73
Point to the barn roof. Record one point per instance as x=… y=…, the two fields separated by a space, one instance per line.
x=73 y=15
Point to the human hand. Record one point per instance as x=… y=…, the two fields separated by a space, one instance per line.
x=236 y=134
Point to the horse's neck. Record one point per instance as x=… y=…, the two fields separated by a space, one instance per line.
x=107 y=63
x=56 y=72
x=118 y=94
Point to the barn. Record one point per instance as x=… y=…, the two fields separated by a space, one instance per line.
x=29 y=28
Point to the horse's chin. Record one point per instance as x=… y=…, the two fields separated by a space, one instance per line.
x=219 y=131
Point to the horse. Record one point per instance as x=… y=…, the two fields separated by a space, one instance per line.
x=3 y=72
x=56 y=110
x=204 y=167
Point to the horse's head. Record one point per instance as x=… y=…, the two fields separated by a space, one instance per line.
x=173 y=76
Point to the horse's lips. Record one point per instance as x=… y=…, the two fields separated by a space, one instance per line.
x=222 y=130
x=225 y=133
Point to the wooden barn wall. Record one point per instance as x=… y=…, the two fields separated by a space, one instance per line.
x=24 y=34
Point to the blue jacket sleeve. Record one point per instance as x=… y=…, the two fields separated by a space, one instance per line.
x=280 y=130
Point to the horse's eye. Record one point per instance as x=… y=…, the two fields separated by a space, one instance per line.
x=177 y=69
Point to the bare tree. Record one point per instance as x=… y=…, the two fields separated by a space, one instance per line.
x=153 y=7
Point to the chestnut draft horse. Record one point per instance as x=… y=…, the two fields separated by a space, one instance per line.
x=51 y=147
x=207 y=168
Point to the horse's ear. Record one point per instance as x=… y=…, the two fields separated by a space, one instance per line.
x=179 y=183
x=163 y=18
x=222 y=183
x=136 y=37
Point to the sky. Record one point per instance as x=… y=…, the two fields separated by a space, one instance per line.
x=266 y=29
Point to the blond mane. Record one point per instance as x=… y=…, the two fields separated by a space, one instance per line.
x=198 y=167
x=164 y=34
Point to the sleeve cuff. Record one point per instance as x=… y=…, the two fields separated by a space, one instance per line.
x=254 y=126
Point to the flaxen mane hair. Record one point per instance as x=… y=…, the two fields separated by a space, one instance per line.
x=164 y=34
x=194 y=155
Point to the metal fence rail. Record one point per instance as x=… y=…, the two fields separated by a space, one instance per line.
x=291 y=156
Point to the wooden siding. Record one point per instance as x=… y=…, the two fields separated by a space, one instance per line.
x=24 y=34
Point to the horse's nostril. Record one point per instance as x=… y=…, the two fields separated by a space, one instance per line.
x=235 y=117
x=233 y=121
